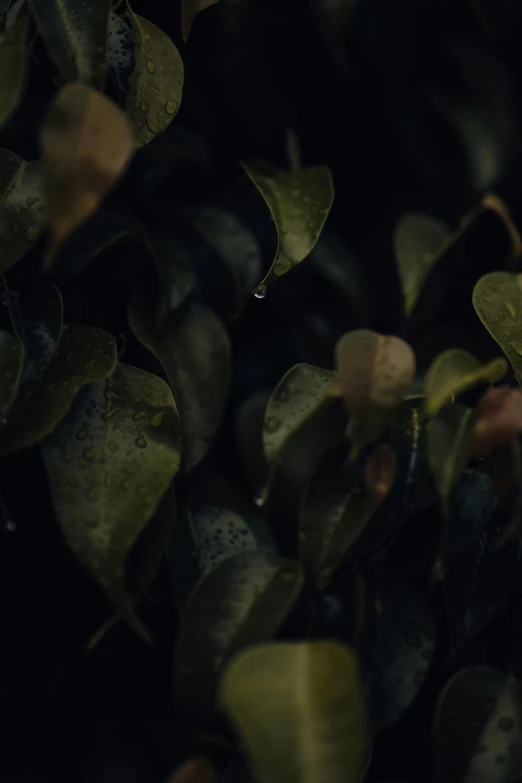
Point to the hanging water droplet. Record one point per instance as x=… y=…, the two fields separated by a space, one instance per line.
x=138 y=416
x=140 y=441
x=157 y=419
x=259 y=498
x=272 y=424
x=171 y=106
x=260 y=292
x=151 y=68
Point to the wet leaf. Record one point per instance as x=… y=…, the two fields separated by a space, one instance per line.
x=12 y=66
x=85 y=355
x=278 y=694
x=478 y=728
x=120 y=52
x=417 y=241
x=243 y=600
x=189 y=10
x=22 y=209
x=75 y=34
x=454 y=371
x=299 y=202
x=448 y=438
x=374 y=374
x=235 y=244
x=219 y=532
x=194 y=350
x=405 y=650
x=37 y=318
x=335 y=511
x=109 y=463
x=156 y=84
x=196 y=770
x=497 y=299
x=498 y=421
x=11 y=369
x=299 y=396
x=87 y=143
x=475 y=583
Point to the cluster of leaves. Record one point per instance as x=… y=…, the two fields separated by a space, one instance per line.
x=325 y=548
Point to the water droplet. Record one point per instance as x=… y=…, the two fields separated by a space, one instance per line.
x=171 y=106
x=259 y=498
x=143 y=106
x=10 y=526
x=32 y=233
x=150 y=66
x=138 y=416
x=31 y=200
x=272 y=424
x=82 y=433
x=157 y=419
x=108 y=414
x=140 y=441
x=517 y=347
x=506 y=724
x=146 y=37
x=510 y=307
x=152 y=124
x=260 y=292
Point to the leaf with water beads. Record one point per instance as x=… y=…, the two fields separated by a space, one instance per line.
x=156 y=84
x=109 y=463
x=75 y=34
x=301 y=394
x=22 y=207
x=299 y=202
x=477 y=728
x=85 y=354
x=243 y=600
x=497 y=299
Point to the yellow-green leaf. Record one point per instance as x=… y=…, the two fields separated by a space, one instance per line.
x=156 y=84
x=301 y=394
x=447 y=443
x=11 y=369
x=85 y=355
x=189 y=10
x=75 y=34
x=12 y=65
x=299 y=202
x=243 y=600
x=497 y=299
x=299 y=710
x=194 y=350
x=109 y=463
x=454 y=371
x=22 y=207
x=417 y=240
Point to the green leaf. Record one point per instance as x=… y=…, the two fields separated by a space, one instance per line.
x=194 y=350
x=335 y=511
x=299 y=396
x=109 y=463
x=454 y=371
x=85 y=355
x=11 y=369
x=156 y=84
x=477 y=728
x=447 y=442
x=299 y=711
x=22 y=208
x=189 y=10
x=497 y=299
x=417 y=241
x=299 y=202
x=12 y=65
x=75 y=34
x=243 y=600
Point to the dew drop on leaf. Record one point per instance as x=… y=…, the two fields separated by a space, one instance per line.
x=260 y=292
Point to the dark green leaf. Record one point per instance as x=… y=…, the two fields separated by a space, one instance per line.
x=85 y=355
x=156 y=84
x=405 y=650
x=75 y=34
x=194 y=350
x=475 y=583
x=478 y=728
x=12 y=65
x=109 y=464
x=447 y=443
x=299 y=711
x=243 y=600
x=299 y=202
x=454 y=371
x=22 y=209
